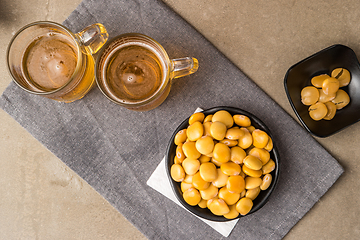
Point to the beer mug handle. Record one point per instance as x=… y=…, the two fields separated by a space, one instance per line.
x=183 y=66
x=93 y=37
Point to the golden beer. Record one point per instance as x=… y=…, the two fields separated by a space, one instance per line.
x=49 y=63
x=134 y=71
x=47 y=59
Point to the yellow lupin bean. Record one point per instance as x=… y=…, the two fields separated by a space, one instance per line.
x=318 y=111
x=177 y=172
x=208 y=172
x=218 y=207
x=195 y=131
x=202 y=203
x=325 y=97
x=210 y=200
x=252 y=182
x=196 y=117
x=185 y=186
x=207 y=126
x=266 y=181
x=260 y=138
x=176 y=160
x=208 y=118
x=224 y=117
x=180 y=137
x=221 y=153
x=260 y=153
x=269 y=146
x=218 y=130
x=235 y=184
x=230 y=168
x=237 y=154
x=229 y=143
x=330 y=85
x=205 y=145
x=243 y=193
x=309 y=95
x=188 y=178
x=252 y=193
x=192 y=196
x=244 y=205
x=246 y=140
x=229 y=197
x=251 y=172
x=234 y=133
x=204 y=159
x=252 y=162
x=209 y=193
x=199 y=183
x=341 y=99
x=317 y=81
x=343 y=75
x=216 y=162
x=180 y=156
x=269 y=167
x=248 y=150
x=221 y=179
x=190 y=150
x=233 y=212
x=191 y=166
x=242 y=120
x=251 y=128
x=331 y=107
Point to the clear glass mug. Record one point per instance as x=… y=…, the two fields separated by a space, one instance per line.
x=47 y=59
x=134 y=71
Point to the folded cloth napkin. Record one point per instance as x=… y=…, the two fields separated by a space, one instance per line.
x=116 y=150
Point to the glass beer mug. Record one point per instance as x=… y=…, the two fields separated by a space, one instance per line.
x=134 y=71
x=47 y=59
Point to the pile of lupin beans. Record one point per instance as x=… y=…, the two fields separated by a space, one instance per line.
x=325 y=96
x=222 y=162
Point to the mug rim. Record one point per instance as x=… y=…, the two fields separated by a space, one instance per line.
x=159 y=91
x=78 y=62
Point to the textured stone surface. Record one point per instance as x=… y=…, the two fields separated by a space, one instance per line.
x=41 y=198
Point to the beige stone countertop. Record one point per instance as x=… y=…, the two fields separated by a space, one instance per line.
x=41 y=198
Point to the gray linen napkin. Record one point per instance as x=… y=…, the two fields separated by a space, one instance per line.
x=116 y=150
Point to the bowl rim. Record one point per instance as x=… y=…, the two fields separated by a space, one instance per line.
x=266 y=194
x=303 y=123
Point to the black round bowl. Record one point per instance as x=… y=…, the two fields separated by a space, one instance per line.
x=299 y=76
x=205 y=213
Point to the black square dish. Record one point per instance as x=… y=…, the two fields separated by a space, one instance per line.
x=299 y=76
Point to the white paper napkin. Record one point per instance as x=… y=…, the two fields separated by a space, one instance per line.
x=160 y=182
